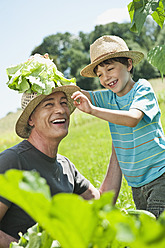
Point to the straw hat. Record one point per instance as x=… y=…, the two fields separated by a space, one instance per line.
x=106 y=47
x=30 y=101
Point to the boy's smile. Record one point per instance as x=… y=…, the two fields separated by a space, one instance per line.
x=113 y=83
x=116 y=77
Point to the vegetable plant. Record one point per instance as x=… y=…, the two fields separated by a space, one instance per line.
x=68 y=221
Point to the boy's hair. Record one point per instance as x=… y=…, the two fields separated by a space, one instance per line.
x=122 y=60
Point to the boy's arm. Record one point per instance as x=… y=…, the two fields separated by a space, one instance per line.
x=113 y=178
x=119 y=117
x=5 y=239
x=86 y=93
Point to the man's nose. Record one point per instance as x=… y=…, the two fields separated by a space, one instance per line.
x=59 y=109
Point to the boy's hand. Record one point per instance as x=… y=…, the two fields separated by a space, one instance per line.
x=82 y=102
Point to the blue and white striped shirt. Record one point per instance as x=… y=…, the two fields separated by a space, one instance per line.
x=140 y=150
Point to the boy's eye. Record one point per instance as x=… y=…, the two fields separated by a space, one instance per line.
x=99 y=75
x=64 y=103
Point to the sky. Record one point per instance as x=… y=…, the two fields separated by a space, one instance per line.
x=25 y=23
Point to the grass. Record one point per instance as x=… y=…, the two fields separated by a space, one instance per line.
x=88 y=144
x=8 y=137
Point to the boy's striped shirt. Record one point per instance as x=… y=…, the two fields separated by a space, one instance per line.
x=140 y=150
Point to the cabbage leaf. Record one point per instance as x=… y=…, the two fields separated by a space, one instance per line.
x=38 y=74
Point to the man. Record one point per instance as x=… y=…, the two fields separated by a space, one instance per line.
x=43 y=124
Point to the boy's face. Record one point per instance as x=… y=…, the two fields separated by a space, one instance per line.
x=116 y=77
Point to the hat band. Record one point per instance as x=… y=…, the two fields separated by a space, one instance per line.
x=103 y=55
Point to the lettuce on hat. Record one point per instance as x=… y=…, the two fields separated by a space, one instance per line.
x=36 y=79
x=38 y=74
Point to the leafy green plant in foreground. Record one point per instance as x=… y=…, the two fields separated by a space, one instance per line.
x=75 y=222
x=35 y=237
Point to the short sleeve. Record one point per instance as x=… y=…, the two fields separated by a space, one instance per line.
x=81 y=183
x=145 y=100
x=100 y=98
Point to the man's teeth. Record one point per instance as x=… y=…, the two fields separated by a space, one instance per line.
x=58 y=121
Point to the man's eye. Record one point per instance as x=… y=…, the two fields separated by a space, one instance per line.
x=48 y=104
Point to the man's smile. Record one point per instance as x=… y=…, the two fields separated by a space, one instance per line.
x=59 y=121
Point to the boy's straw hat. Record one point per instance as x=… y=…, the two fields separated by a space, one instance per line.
x=30 y=101
x=106 y=47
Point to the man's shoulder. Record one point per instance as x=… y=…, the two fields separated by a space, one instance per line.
x=65 y=163
x=18 y=148
x=61 y=158
x=13 y=153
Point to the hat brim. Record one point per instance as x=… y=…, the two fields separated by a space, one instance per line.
x=136 y=57
x=21 y=127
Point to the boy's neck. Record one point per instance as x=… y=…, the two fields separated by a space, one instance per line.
x=127 y=88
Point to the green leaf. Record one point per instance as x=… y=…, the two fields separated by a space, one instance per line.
x=137 y=15
x=13 y=69
x=24 y=85
x=32 y=182
x=75 y=222
x=35 y=237
x=156 y=57
x=139 y=10
x=62 y=221
x=31 y=196
x=159 y=15
x=66 y=220
x=137 y=213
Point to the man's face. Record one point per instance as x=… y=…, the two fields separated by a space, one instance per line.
x=50 y=120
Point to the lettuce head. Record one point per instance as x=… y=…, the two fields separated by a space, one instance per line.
x=38 y=74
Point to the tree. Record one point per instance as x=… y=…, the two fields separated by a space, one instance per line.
x=71 y=53
x=139 y=10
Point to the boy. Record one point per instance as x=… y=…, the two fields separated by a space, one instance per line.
x=131 y=108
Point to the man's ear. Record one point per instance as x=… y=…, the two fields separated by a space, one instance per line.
x=130 y=64
x=30 y=122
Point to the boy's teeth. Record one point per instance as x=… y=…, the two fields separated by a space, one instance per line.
x=112 y=83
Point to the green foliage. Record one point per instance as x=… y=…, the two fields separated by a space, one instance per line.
x=35 y=237
x=67 y=52
x=36 y=75
x=140 y=9
x=159 y=14
x=71 y=52
x=156 y=57
x=96 y=224
x=89 y=151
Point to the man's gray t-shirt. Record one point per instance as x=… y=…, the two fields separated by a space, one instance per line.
x=60 y=174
